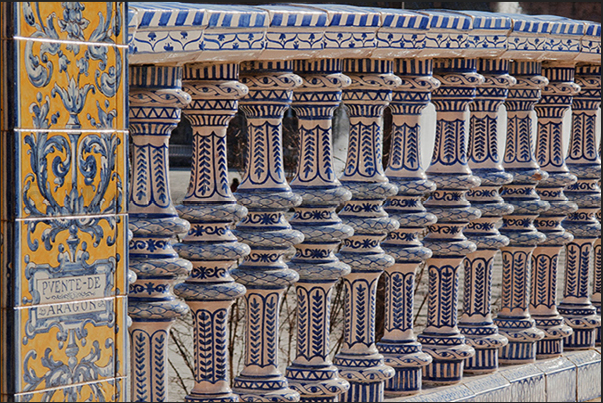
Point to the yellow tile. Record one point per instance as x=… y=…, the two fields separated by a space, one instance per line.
x=51 y=163
x=65 y=344
x=68 y=21
x=89 y=392
x=67 y=259
x=76 y=93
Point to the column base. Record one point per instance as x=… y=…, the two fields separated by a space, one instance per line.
x=523 y=336
x=227 y=397
x=407 y=381
x=486 y=341
x=449 y=354
x=408 y=360
x=364 y=392
x=366 y=374
x=264 y=389
x=316 y=384
x=582 y=339
x=555 y=330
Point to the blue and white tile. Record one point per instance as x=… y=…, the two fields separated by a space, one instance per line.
x=588 y=373
x=448 y=34
x=527 y=383
x=488 y=35
x=590 y=51
x=294 y=32
x=559 y=371
x=402 y=33
x=529 y=38
x=565 y=37
x=489 y=388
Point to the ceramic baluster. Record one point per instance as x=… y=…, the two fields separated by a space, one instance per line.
x=583 y=161
x=555 y=101
x=156 y=98
x=211 y=208
x=450 y=171
x=399 y=345
x=596 y=297
x=366 y=98
x=476 y=321
x=312 y=373
x=267 y=196
x=513 y=320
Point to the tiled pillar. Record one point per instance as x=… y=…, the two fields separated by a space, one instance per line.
x=156 y=98
x=399 y=345
x=476 y=322
x=267 y=196
x=596 y=297
x=211 y=209
x=450 y=171
x=513 y=320
x=584 y=161
x=312 y=373
x=555 y=101
x=359 y=360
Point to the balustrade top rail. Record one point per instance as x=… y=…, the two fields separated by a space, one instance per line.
x=176 y=33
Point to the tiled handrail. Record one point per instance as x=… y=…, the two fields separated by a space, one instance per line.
x=314 y=57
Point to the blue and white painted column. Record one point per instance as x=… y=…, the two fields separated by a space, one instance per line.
x=156 y=100
x=267 y=196
x=514 y=320
x=584 y=162
x=359 y=361
x=476 y=322
x=312 y=372
x=211 y=209
x=399 y=345
x=555 y=101
x=450 y=171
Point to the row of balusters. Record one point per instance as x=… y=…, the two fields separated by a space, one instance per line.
x=479 y=203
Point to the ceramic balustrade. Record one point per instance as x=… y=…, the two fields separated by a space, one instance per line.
x=450 y=171
x=267 y=196
x=514 y=320
x=211 y=209
x=359 y=361
x=382 y=215
x=476 y=322
x=556 y=99
x=312 y=373
x=584 y=162
x=399 y=345
x=156 y=100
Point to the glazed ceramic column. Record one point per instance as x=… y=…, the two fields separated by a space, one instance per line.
x=267 y=196
x=156 y=98
x=359 y=360
x=476 y=321
x=211 y=208
x=399 y=345
x=312 y=373
x=596 y=298
x=583 y=161
x=555 y=101
x=450 y=171
x=513 y=320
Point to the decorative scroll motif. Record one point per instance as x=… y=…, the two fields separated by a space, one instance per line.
x=156 y=99
x=211 y=209
x=555 y=101
x=514 y=321
x=267 y=196
x=583 y=161
x=399 y=346
x=476 y=322
x=73 y=180
x=366 y=98
x=450 y=172
x=311 y=373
